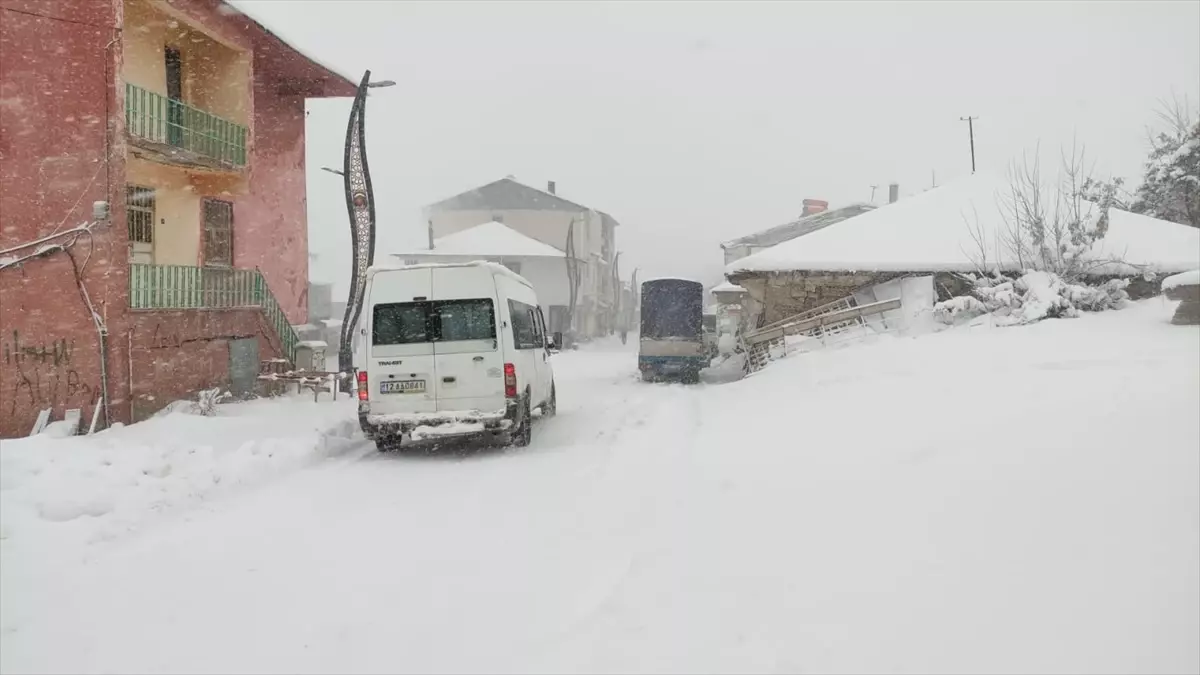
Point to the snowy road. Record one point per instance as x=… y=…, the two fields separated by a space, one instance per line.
x=955 y=503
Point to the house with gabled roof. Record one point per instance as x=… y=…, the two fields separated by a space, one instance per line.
x=153 y=234
x=957 y=228
x=586 y=237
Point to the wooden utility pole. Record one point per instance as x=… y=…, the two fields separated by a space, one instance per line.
x=971 y=130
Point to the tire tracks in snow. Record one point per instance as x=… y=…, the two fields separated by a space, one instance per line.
x=653 y=466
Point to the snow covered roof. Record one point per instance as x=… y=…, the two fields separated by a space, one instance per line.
x=933 y=231
x=495 y=268
x=494 y=240
x=247 y=9
x=728 y=287
x=800 y=227
x=505 y=194
x=1191 y=278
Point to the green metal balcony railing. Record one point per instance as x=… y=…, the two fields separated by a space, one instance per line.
x=159 y=119
x=183 y=287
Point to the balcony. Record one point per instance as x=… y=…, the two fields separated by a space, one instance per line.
x=176 y=132
x=176 y=287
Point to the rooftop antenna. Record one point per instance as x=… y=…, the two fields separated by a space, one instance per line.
x=873 y=189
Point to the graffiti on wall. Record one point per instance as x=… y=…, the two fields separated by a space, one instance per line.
x=175 y=334
x=41 y=373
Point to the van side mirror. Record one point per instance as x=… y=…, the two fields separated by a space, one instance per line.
x=555 y=342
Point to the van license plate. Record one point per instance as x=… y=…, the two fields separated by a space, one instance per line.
x=402 y=387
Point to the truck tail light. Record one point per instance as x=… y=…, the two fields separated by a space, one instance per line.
x=510 y=380
x=362 y=385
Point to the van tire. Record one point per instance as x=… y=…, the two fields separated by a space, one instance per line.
x=524 y=433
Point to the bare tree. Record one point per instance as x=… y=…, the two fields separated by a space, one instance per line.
x=1053 y=227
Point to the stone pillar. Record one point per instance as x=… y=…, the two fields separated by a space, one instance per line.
x=1188 y=295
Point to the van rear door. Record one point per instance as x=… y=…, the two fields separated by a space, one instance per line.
x=469 y=361
x=401 y=370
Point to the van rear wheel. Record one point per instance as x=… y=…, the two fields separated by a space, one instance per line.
x=524 y=434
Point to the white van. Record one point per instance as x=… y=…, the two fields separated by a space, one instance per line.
x=452 y=350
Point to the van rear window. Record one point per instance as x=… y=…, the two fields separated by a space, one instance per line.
x=402 y=323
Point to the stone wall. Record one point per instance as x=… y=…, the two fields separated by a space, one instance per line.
x=778 y=295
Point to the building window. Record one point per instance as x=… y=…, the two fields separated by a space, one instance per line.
x=218 y=233
x=139 y=213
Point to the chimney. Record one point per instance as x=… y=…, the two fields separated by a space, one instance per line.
x=812 y=206
x=550 y=186
x=430 y=235
x=893 y=193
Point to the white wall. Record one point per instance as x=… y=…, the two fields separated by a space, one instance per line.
x=548 y=275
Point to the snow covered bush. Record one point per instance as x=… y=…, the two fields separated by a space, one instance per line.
x=207 y=400
x=1034 y=296
x=1170 y=188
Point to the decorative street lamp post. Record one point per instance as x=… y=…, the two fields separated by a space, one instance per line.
x=360 y=205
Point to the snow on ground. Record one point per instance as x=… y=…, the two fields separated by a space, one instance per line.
x=977 y=500
x=62 y=499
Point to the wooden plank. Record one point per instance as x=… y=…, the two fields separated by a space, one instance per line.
x=823 y=320
x=43 y=419
x=72 y=418
x=827 y=308
x=95 y=415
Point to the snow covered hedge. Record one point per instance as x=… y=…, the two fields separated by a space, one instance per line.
x=1031 y=297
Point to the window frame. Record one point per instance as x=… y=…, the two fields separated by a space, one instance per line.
x=146 y=212
x=516 y=309
x=432 y=320
x=211 y=230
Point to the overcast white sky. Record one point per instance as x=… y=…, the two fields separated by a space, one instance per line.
x=696 y=122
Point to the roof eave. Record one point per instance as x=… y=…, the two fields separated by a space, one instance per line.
x=338 y=83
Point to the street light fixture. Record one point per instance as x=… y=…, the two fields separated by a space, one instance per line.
x=360 y=206
x=337 y=171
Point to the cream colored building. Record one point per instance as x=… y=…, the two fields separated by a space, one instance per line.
x=585 y=235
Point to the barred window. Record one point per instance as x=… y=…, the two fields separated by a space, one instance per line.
x=139 y=213
x=218 y=233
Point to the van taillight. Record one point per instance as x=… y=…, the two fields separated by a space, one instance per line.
x=362 y=385
x=510 y=380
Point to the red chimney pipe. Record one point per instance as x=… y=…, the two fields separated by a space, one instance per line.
x=812 y=206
